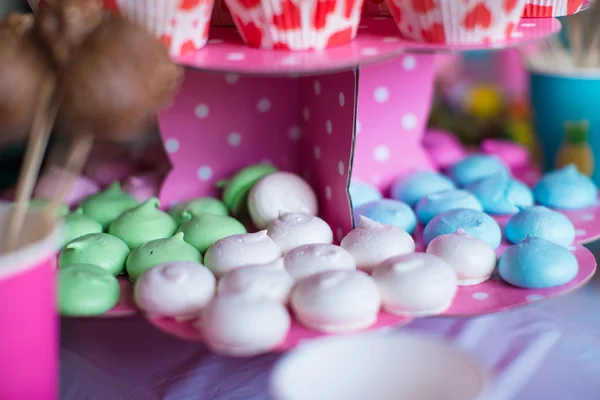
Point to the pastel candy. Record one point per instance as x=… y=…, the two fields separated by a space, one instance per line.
x=565 y=188
x=536 y=263
x=100 y=249
x=237 y=189
x=204 y=230
x=512 y=154
x=416 y=284
x=160 y=251
x=389 y=212
x=440 y=202
x=472 y=259
x=414 y=186
x=198 y=206
x=78 y=224
x=475 y=167
x=473 y=222
x=500 y=194
x=291 y=230
x=541 y=222
x=372 y=242
x=362 y=193
x=240 y=250
x=177 y=290
x=143 y=224
x=108 y=205
x=86 y=290
x=277 y=193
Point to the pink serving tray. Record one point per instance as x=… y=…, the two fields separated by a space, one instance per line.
x=377 y=40
x=486 y=298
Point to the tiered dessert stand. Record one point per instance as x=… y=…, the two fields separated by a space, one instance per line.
x=359 y=110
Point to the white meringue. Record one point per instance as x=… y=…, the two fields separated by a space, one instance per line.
x=311 y=259
x=291 y=230
x=178 y=290
x=268 y=280
x=372 y=242
x=239 y=325
x=240 y=250
x=416 y=284
x=336 y=301
x=473 y=259
x=280 y=192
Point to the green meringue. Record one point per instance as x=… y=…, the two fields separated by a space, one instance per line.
x=205 y=229
x=86 y=290
x=101 y=249
x=108 y=205
x=78 y=224
x=198 y=206
x=143 y=224
x=160 y=251
x=236 y=189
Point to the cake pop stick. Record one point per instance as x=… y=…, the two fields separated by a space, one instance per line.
x=36 y=146
x=77 y=156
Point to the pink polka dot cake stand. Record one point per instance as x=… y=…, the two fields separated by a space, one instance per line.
x=496 y=295
x=377 y=40
x=296 y=335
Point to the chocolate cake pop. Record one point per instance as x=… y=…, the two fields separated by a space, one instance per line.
x=115 y=79
x=24 y=67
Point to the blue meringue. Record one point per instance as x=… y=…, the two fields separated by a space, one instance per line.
x=541 y=222
x=388 y=212
x=475 y=167
x=362 y=193
x=475 y=223
x=500 y=194
x=436 y=203
x=414 y=186
x=536 y=263
x=565 y=188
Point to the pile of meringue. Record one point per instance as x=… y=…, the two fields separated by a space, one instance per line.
x=241 y=297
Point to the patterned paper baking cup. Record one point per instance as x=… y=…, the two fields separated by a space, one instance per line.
x=376 y=8
x=108 y=4
x=296 y=25
x=456 y=21
x=182 y=25
x=221 y=15
x=551 y=8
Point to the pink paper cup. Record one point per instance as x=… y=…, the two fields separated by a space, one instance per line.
x=29 y=335
x=182 y=25
x=456 y=22
x=376 y=366
x=551 y=8
x=296 y=25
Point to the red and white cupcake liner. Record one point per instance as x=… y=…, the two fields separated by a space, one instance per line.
x=551 y=8
x=376 y=8
x=182 y=25
x=108 y=4
x=296 y=25
x=456 y=22
x=221 y=15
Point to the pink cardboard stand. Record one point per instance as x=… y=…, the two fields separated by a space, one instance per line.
x=29 y=345
x=367 y=122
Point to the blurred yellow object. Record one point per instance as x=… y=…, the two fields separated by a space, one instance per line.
x=575 y=148
x=484 y=101
x=521 y=132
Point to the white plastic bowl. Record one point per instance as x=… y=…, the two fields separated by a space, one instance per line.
x=377 y=367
